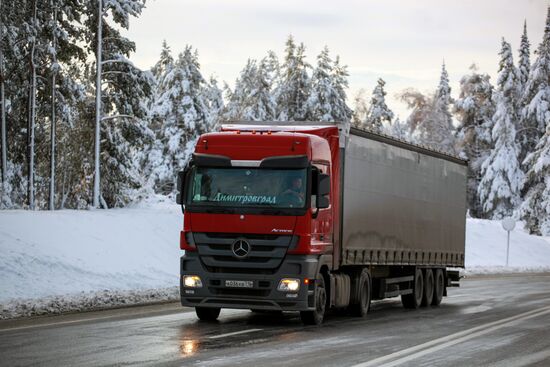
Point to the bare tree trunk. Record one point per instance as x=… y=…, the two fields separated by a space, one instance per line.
x=98 y=104
x=32 y=114
x=52 y=149
x=3 y=103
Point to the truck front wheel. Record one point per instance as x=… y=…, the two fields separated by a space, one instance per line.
x=316 y=317
x=414 y=299
x=208 y=313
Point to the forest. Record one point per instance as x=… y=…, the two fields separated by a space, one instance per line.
x=83 y=127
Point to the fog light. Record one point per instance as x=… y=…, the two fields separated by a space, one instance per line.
x=289 y=285
x=192 y=281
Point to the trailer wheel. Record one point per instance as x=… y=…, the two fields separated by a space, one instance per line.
x=428 y=296
x=360 y=306
x=439 y=288
x=316 y=317
x=414 y=299
x=207 y=313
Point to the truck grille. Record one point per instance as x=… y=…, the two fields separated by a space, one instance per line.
x=265 y=255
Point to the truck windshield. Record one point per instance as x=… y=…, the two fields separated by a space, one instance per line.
x=248 y=187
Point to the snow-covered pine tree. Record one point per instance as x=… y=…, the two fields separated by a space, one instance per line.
x=524 y=63
x=272 y=68
x=237 y=97
x=65 y=92
x=535 y=115
x=474 y=110
x=252 y=99
x=502 y=177
x=379 y=114
x=182 y=110
x=259 y=104
x=326 y=101
x=437 y=129
x=322 y=94
x=27 y=60
x=340 y=110
x=535 y=210
x=215 y=99
x=122 y=128
x=293 y=90
x=166 y=61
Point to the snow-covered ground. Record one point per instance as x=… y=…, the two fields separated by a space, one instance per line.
x=72 y=260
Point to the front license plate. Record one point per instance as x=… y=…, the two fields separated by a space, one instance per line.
x=239 y=283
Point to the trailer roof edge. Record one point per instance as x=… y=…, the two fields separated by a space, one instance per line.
x=360 y=132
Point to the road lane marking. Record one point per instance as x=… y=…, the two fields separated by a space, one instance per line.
x=234 y=333
x=435 y=345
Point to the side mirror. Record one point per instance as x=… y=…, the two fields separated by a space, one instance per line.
x=181 y=187
x=320 y=189
x=323 y=185
x=323 y=189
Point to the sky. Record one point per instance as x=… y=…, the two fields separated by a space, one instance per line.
x=404 y=42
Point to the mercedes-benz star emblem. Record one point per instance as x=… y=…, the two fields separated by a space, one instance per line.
x=240 y=248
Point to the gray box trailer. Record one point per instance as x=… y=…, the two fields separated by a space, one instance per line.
x=402 y=204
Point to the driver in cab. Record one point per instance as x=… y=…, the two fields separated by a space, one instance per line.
x=294 y=195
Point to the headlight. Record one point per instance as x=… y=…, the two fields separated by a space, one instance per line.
x=289 y=285
x=192 y=281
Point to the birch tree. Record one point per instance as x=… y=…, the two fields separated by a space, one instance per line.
x=474 y=110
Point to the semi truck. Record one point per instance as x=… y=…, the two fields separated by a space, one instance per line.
x=313 y=216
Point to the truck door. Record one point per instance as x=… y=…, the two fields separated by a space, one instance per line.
x=322 y=230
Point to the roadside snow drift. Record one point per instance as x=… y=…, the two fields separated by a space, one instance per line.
x=486 y=249
x=74 y=260
x=53 y=253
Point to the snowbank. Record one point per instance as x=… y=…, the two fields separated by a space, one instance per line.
x=74 y=260
x=54 y=253
x=486 y=249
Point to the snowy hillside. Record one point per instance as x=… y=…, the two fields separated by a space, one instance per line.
x=130 y=251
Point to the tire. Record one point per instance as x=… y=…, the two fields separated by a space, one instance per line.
x=207 y=313
x=316 y=317
x=362 y=296
x=428 y=295
x=414 y=299
x=439 y=287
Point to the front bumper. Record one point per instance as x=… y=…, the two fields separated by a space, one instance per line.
x=262 y=296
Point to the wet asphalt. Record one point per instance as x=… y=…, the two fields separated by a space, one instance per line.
x=488 y=321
